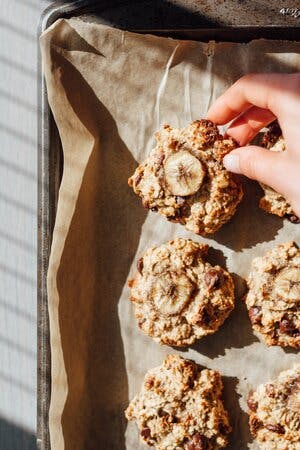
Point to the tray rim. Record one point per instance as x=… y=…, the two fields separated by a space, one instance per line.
x=46 y=183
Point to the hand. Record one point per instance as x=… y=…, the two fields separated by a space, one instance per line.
x=253 y=102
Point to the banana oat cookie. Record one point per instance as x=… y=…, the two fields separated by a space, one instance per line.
x=184 y=179
x=178 y=296
x=273 y=299
x=272 y=202
x=180 y=407
x=274 y=410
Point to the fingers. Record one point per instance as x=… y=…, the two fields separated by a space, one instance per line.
x=262 y=90
x=247 y=125
x=259 y=164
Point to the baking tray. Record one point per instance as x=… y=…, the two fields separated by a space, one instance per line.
x=206 y=20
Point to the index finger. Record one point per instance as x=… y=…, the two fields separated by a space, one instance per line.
x=262 y=90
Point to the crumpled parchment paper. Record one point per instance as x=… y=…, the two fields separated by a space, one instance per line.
x=109 y=91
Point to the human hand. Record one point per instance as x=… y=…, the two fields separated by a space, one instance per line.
x=253 y=102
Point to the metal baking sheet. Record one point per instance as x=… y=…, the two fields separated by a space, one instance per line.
x=183 y=19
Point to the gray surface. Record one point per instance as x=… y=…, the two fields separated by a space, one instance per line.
x=18 y=199
x=18 y=196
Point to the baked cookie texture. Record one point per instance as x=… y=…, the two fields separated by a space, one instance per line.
x=274 y=410
x=180 y=407
x=273 y=299
x=177 y=295
x=272 y=201
x=184 y=179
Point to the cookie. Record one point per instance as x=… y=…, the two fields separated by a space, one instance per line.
x=273 y=299
x=177 y=295
x=272 y=202
x=274 y=410
x=184 y=179
x=180 y=407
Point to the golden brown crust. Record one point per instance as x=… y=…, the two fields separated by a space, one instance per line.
x=179 y=297
x=180 y=407
x=273 y=299
x=274 y=412
x=199 y=192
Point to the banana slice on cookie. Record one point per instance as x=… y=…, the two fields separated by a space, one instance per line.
x=183 y=177
x=178 y=296
x=171 y=293
x=184 y=173
x=273 y=299
x=287 y=283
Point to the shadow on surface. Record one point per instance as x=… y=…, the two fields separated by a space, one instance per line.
x=236 y=332
x=13 y=437
x=240 y=436
x=98 y=252
x=250 y=225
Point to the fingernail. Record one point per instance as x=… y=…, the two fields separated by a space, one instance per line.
x=232 y=162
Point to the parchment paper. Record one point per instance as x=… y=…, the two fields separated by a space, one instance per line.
x=110 y=91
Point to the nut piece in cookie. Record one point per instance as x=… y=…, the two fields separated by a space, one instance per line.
x=273 y=299
x=274 y=412
x=183 y=177
x=180 y=407
x=272 y=201
x=179 y=297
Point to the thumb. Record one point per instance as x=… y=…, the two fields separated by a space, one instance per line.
x=257 y=163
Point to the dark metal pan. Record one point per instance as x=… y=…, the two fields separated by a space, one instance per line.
x=235 y=21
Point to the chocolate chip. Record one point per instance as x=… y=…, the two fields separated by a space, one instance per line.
x=146 y=432
x=286 y=325
x=160 y=160
x=173 y=144
x=252 y=404
x=175 y=217
x=140 y=265
x=162 y=413
x=293 y=218
x=213 y=279
x=138 y=178
x=223 y=428
x=197 y=442
x=270 y=391
x=255 y=315
x=279 y=429
x=154 y=209
x=205 y=317
x=255 y=425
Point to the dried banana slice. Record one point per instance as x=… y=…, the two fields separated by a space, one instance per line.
x=184 y=173
x=179 y=297
x=287 y=283
x=273 y=299
x=183 y=177
x=171 y=293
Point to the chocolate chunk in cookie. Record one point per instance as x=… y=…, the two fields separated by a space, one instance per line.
x=184 y=179
x=273 y=299
x=178 y=296
x=181 y=408
x=275 y=419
